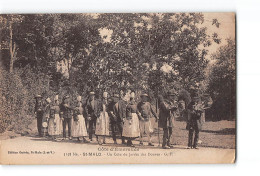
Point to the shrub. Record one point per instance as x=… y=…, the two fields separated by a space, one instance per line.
x=14 y=101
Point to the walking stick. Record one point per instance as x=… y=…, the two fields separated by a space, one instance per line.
x=159 y=135
x=158 y=123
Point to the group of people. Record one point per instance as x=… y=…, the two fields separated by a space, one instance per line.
x=131 y=119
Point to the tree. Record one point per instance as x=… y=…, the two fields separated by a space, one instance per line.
x=9 y=24
x=148 y=42
x=78 y=37
x=222 y=81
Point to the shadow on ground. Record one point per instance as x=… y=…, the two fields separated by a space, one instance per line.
x=225 y=131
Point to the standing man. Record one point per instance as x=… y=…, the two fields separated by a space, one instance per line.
x=168 y=108
x=194 y=121
x=117 y=112
x=92 y=112
x=38 y=110
x=66 y=112
x=146 y=111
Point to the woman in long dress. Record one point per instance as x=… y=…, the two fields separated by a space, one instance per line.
x=131 y=128
x=51 y=124
x=102 y=123
x=79 y=130
x=55 y=122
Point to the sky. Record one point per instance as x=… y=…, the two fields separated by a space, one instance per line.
x=226 y=29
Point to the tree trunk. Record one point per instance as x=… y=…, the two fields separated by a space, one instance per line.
x=12 y=48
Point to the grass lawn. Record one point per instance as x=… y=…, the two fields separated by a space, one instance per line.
x=221 y=134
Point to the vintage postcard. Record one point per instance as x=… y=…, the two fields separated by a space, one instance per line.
x=118 y=88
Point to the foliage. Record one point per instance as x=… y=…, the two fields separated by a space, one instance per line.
x=222 y=81
x=13 y=101
x=74 y=54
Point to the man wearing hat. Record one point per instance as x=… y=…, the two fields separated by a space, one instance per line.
x=66 y=112
x=92 y=112
x=168 y=108
x=38 y=110
x=194 y=121
x=117 y=112
x=146 y=111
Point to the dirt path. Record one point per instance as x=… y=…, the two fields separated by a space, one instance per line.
x=34 y=150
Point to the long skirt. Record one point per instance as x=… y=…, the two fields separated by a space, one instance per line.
x=78 y=128
x=102 y=125
x=55 y=125
x=131 y=127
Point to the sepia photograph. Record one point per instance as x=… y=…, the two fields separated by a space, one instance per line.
x=118 y=88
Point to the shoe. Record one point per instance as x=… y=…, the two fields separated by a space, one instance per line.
x=196 y=147
x=58 y=140
x=141 y=143
x=188 y=148
x=150 y=144
x=123 y=142
x=115 y=142
x=169 y=144
x=132 y=145
x=166 y=147
x=70 y=138
x=91 y=141
x=86 y=141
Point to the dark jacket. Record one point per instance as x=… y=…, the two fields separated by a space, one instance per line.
x=110 y=111
x=39 y=109
x=119 y=110
x=46 y=114
x=131 y=107
x=92 y=110
x=194 y=119
x=66 y=110
x=167 y=113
